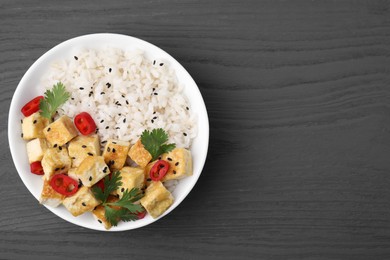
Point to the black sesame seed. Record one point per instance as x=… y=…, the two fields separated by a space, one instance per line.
x=105 y=141
x=177 y=163
x=155 y=117
x=84 y=146
x=90 y=154
x=81 y=88
x=59 y=147
x=101 y=121
x=80 y=183
x=75 y=57
x=152 y=121
x=161 y=64
x=123 y=96
x=94 y=208
x=72 y=98
x=21 y=135
x=102 y=93
x=97 y=130
x=55 y=145
x=124 y=120
x=119 y=114
x=90 y=94
x=114 y=142
x=187 y=108
x=109 y=70
x=83 y=204
x=154 y=112
x=21 y=121
x=48 y=129
x=184 y=134
x=35 y=121
x=169 y=159
x=155 y=94
x=108 y=85
x=105 y=169
x=117 y=128
x=123 y=189
x=113 y=150
x=153 y=89
x=174 y=172
x=127 y=102
x=107 y=127
x=108 y=149
x=154 y=62
x=90 y=178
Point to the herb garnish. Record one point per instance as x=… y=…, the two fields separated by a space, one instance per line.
x=128 y=210
x=53 y=100
x=154 y=142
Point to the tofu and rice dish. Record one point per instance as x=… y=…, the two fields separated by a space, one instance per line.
x=110 y=136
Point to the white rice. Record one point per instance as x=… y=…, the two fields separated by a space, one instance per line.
x=125 y=93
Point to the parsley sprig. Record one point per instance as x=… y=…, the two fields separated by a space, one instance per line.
x=53 y=100
x=154 y=142
x=127 y=209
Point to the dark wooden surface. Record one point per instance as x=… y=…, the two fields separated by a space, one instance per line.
x=298 y=100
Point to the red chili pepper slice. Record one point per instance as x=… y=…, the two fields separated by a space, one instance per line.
x=36 y=168
x=85 y=123
x=64 y=184
x=141 y=215
x=159 y=170
x=32 y=106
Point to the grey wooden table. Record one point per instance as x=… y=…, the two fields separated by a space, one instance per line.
x=298 y=100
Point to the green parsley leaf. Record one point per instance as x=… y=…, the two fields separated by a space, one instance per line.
x=110 y=185
x=53 y=100
x=128 y=210
x=154 y=142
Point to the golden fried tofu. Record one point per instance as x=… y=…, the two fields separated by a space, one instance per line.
x=83 y=146
x=35 y=149
x=99 y=212
x=49 y=196
x=157 y=199
x=55 y=160
x=180 y=164
x=139 y=154
x=33 y=125
x=132 y=177
x=115 y=153
x=91 y=170
x=60 y=131
x=81 y=202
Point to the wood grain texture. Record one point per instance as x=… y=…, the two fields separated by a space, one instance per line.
x=298 y=101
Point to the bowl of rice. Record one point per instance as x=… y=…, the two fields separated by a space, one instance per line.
x=128 y=85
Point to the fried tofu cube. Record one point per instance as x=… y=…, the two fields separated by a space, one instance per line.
x=33 y=125
x=49 y=196
x=99 y=212
x=180 y=164
x=35 y=149
x=55 y=160
x=157 y=199
x=81 y=202
x=60 y=131
x=132 y=177
x=91 y=170
x=139 y=154
x=115 y=153
x=83 y=146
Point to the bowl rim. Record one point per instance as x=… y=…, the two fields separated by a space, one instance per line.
x=96 y=36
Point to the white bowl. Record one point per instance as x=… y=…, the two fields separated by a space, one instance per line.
x=29 y=87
